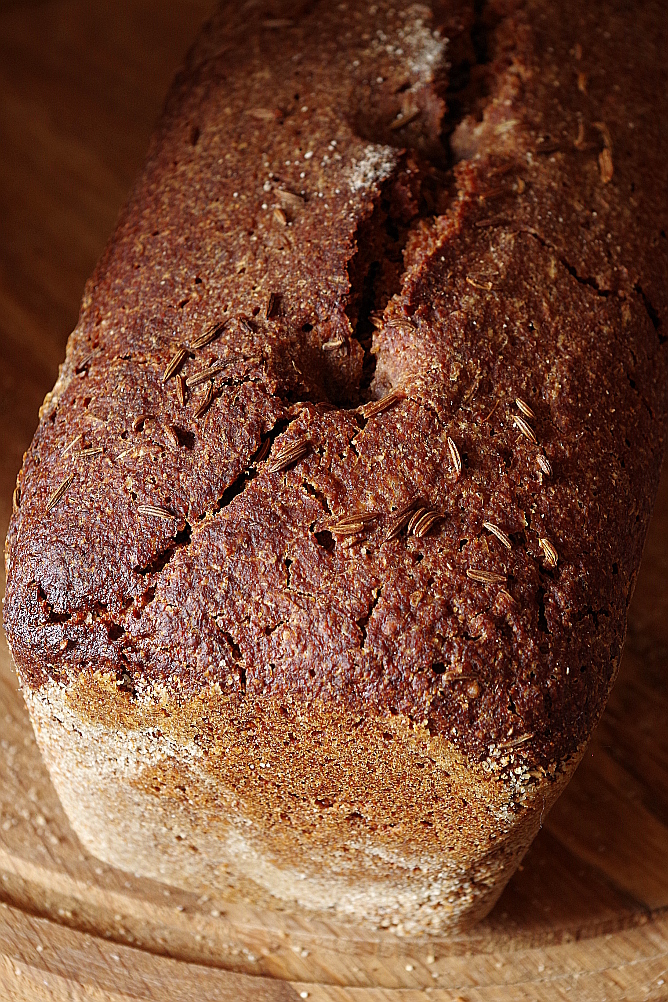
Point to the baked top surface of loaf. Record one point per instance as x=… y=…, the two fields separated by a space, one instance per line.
x=299 y=196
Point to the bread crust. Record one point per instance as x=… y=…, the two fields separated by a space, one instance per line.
x=353 y=454
x=298 y=805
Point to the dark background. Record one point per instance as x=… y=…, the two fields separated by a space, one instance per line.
x=81 y=87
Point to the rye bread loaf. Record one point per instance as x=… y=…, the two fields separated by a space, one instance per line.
x=320 y=558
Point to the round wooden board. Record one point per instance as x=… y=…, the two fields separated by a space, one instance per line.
x=586 y=915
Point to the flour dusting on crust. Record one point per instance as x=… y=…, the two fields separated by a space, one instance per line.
x=415 y=45
x=375 y=166
x=422 y=46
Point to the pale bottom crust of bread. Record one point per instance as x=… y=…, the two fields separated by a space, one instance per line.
x=367 y=820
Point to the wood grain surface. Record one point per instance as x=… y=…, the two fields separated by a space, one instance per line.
x=586 y=917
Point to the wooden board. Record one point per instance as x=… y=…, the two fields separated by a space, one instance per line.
x=587 y=914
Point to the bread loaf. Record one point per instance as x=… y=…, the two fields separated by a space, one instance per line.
x=320 y=558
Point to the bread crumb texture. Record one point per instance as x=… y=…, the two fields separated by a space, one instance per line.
x=326 y=537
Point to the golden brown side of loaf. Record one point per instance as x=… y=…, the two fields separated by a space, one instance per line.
x=321 y=555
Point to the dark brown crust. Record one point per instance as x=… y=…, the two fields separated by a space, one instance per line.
x=530 y=272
